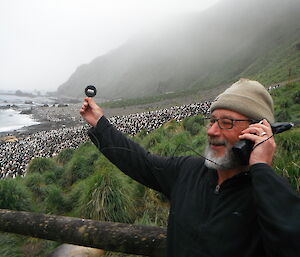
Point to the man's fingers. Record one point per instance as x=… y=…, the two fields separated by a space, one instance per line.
x=259 y=125
x=258 y=129
x=264 y=124
x=90 y=101
x=253 y=130
x=251 y=137
x=84 y=106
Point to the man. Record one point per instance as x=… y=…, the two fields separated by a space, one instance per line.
x=218 y=207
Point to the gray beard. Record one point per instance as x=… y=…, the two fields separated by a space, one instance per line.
x=226 y=162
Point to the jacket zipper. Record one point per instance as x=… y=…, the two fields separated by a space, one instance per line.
x=217 y=189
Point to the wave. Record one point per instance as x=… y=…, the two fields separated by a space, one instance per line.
x=12 y=120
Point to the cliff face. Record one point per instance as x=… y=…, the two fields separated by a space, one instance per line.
x=232 y=39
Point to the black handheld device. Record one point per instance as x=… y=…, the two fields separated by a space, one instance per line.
x=242 y=149
x=90 y=91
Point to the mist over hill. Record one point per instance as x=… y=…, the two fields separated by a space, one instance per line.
x=233 y=39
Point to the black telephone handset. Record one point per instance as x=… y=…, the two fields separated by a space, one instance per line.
x=242 y=149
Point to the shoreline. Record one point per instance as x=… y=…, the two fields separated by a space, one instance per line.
x=59 y=128
x=49 y=118
x=54 y=117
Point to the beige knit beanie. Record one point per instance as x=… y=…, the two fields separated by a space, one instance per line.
x=247 y=97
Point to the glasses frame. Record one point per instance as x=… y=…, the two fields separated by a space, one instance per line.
x=214 y=120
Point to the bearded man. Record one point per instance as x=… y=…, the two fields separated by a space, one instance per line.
x=219 y=206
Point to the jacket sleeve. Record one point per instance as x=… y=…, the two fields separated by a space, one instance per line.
x=153 y=171
x=278 y=210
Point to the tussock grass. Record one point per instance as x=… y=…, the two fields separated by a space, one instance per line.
x=287 y=160
x=107 y=197
x=14 y=195
x=41 y=165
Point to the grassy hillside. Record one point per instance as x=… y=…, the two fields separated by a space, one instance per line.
x=287 y=108
x=279 y=64
x=82 y=183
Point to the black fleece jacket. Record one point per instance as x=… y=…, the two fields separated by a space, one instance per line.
x=254 y=213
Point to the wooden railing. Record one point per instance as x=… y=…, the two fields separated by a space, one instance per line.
x=110 y=236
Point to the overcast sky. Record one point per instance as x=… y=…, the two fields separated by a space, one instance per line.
x=44 y=41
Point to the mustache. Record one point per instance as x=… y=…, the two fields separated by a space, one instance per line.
x=215 y=141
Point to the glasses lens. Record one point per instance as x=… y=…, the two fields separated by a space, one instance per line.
x=225 y=123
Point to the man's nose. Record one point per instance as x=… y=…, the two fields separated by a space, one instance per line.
x=214 y=130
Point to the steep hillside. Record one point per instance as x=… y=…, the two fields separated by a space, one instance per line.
x=231 y=40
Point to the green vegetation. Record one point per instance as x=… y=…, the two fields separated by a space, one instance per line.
x=287 y=102
x=83 y=183
x=287 y=108
x=281 y=63
x=107 y=196
x=20 y=246
x=14 y=196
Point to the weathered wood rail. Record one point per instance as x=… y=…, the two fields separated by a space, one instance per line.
x=110 y=236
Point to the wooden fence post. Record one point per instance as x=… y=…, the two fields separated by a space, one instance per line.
x=110 y=236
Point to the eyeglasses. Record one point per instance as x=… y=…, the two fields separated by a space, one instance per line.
x=224 y=123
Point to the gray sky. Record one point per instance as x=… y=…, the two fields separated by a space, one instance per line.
x=44 y=41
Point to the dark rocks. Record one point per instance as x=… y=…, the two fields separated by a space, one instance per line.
x=28 y=111
x=5 y=107
x=62 y=105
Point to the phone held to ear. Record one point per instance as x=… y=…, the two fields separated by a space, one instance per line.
x=243 y=148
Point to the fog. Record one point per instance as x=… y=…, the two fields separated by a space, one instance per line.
x=43 y=42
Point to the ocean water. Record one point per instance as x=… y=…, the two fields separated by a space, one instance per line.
x=11 y=118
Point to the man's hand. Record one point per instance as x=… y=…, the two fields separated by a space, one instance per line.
x=257 y=133
x=90 y=111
